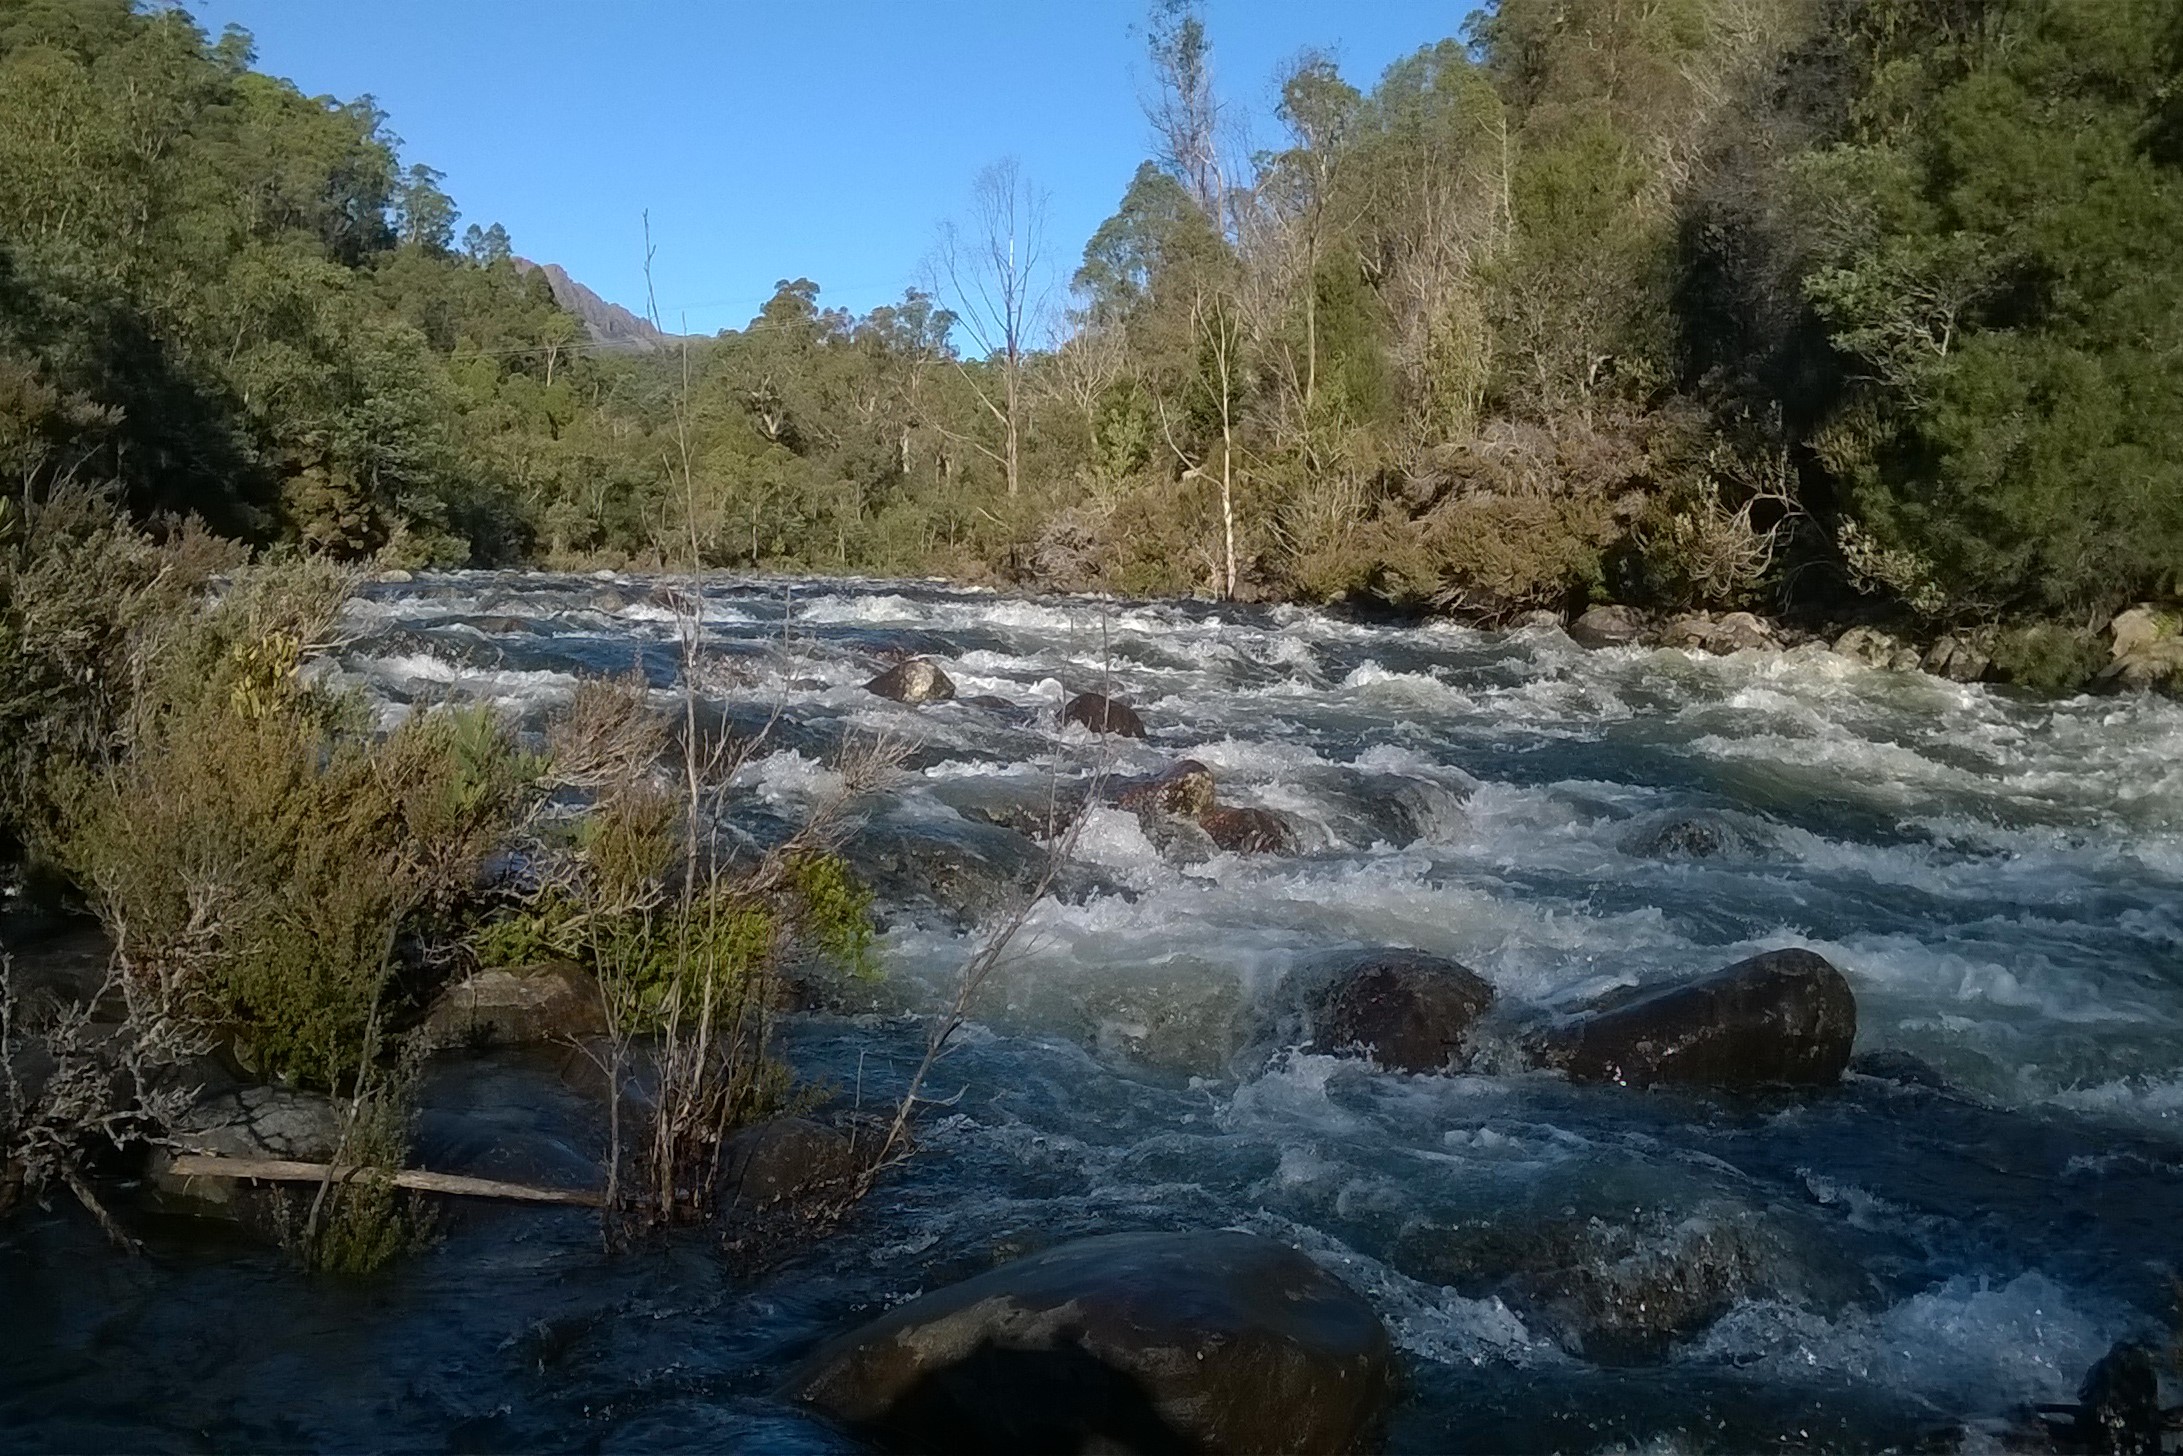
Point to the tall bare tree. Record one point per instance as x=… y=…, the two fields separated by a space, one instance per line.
x=993 y=272
x=1183 y=111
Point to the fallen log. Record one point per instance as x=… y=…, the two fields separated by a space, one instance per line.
x=282 y=1170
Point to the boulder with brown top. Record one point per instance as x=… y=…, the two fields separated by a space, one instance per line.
x=1785 y=1017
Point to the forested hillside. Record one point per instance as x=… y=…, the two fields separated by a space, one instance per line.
x=1791 y=304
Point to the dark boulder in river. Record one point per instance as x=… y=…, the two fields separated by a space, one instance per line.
x=1698 y=835
x=2117 y=1411
x=1787 y=1016
x=782 y=1159
x=1103 y=715
x=918 y=680
x=1249 y=831
x=1407 y=1010
x=1199 y=1342
x=1015 y=715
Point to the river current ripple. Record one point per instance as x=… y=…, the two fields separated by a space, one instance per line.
x=2000 y=878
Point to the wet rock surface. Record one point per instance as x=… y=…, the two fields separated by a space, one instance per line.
x=246 y=1122
x=1211 y=1342
x=1249 y=831
x=1405 y=1010
x=2117 y=1411
x=918 y=680
x=1688 y=836
x=1624 y=1289
x=1102 y=714
x=516 y=1007
x=783 y=1159
x=1184 y=791
x=1608 y=627
x=1785 y=1017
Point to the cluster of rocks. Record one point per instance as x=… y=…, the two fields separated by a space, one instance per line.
x=1694 y=631
x=1783 y=1018
x=1233 y=1342
x=1958 y=657
x=1734 y=632
x=918 y=680
x=2144 y=644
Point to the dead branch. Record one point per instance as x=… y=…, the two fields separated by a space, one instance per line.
x=285 y=1170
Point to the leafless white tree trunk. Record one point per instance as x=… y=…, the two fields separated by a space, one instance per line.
x=1215 y=323
x=992 y=274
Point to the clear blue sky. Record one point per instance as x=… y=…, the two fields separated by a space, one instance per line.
x=817 y=138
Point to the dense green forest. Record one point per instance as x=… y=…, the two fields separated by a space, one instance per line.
x=1790 y=304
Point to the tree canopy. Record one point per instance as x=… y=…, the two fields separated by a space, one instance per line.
x=1577 y=304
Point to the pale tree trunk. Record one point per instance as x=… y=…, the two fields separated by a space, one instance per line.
x=994 y=285
x=1010 y=462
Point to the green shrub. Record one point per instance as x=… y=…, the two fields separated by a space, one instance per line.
x=2047 y=659
x=364 y=1222
x=82 y=596
x=833 y=909
x=1521 y=551
x=256 y=854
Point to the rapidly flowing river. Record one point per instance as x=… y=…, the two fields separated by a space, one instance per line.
x=1564 y=1267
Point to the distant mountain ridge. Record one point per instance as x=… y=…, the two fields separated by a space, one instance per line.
x=611 y=326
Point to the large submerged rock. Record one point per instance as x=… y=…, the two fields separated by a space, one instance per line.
x=1787 y=1016
x=247 y=1122
x=1406 y=1010
x=1624 y=1287
x=969 y=868
x=1248 y=831
x=782 y=1159
x=1103 y=715
x=1198 y=1342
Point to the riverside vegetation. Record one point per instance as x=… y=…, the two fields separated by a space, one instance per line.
x=1838 y=310
x=286 y=890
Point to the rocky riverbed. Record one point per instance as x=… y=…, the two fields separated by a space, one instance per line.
x=1676 y=1041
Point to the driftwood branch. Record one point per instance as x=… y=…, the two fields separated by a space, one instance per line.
x=282 y=1170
